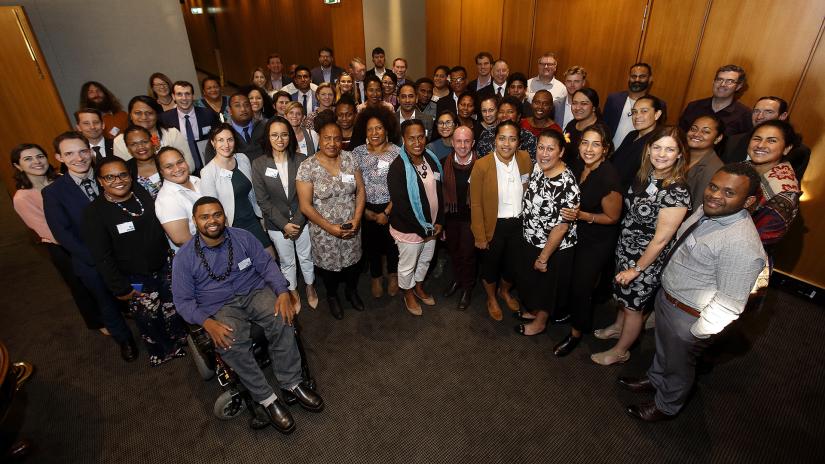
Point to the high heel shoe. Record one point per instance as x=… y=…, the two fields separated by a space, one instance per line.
x=610 y=357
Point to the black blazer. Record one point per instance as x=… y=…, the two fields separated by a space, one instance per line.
x=278 y=208
x=445 y=103
x=473 y=83
x=252 y=150
x=402 y=217
x=108 y=149
x=63 y=206
x=612 y=111
x=207 y=119
x=318 y=75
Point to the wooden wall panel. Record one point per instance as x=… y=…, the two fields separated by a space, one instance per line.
x=480 y=31
x=443 y=33
x=670 y=47
x=201 y=37
x=603 y=37
x=800 y=254
x=347 y=18
x=517 y=35
x=772 y=45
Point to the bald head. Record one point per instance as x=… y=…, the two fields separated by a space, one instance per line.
x=463 y=141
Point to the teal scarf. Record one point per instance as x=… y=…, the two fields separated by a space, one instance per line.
x=412 y=187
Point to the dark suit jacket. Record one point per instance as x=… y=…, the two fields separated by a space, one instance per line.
x=206 y=118
x=558 y=110
x=278 y=208
x=612 y=111
x=445 y=103
x=108 y=150
x=423 y=117
x=318 y=75
x=371 y=72
x=63 y=205
x=314 y=101
x=473 y=83
x=488 y=91
x=252 y=150
x=403 y=218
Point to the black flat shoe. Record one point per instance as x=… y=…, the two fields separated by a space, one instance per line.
x=566 y=346
x=464 y=300
x=355 y=301
x=335 y=308
x=129 y=350
x=280 y=418
x=307 y=398
x=520 y=330
x=519 y=315
x=450 y=291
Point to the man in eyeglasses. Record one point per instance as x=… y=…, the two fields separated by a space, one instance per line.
x=64 y=201
x=617 y=108
x=458 y=85
x=729 y=82
x=546 y=79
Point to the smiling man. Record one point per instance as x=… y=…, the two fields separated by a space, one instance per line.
x=193 y=122
x=408 y=109
x=729 y=82
x=90 y=124
x=619 y=105
x=705 y=286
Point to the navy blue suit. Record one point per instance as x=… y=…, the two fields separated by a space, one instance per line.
x=63 y=205
x=310 y=96
x=206 y=118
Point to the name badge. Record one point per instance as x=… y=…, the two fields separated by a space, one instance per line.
x=652 y=189
x=205 y=130
x=225 y=173
x=525 y=178
x=437 y=175
x=114 y=131
x=244 y=264
x=348 y=178
x=690 y=241
x=270 y=172
x=383 y=164
x=125 y=227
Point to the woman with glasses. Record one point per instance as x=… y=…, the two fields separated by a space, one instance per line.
x=441 y=140
x=160 y=88
x=389 y=85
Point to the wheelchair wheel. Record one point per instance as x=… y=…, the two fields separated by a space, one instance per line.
x=200 y=363
x=228 y=407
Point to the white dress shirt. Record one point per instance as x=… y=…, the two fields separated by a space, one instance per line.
x=175 y=201
x=625 y=122
x=510 y=189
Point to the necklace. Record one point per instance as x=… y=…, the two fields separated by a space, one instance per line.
x=205 y=263
x=423 y=171
x=119 y=204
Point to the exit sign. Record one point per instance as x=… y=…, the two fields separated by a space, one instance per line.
x=331 y=2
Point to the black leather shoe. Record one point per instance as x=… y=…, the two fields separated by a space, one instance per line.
x=335 y=307
x=355 y=301
x=450 y=291
x=637 y=384
x=307 y=398
x=288 y=397
x=566 y=346
x=519 y=315
x=260 y=418
x=280 y=418
x=128 y=350
x=647 y=412
x=464 y=301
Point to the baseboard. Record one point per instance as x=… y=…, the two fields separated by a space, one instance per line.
x=810 y=292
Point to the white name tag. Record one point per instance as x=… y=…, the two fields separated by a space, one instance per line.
x=244 y=264
x=225 y=173
x=114 y=131
x=270 y=172
x=690 y=241
x=205 y=130
x=383 y=164
x=437 y=175
x=348 y=178
x=652 y=189
x=525 y=178
x=125 y=227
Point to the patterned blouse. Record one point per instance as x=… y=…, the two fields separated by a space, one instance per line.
x=542 y=204
x=374 y=167
x=777 y=203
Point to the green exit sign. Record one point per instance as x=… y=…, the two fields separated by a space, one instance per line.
x=331 y=2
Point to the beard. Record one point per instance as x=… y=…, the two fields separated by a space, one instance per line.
x=104 y=105
x=637 y=86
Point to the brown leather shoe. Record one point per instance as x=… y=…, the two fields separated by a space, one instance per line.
x=637 y=384
x=411 y=304
x=647 y=412
x=424 y=297
x=392 y=285
x=377 y=288
x=495 y=310
x=511 y=302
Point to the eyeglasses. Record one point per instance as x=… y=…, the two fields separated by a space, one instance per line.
x=110 y=178
x=719 y=80
x=282 y=135
x=458 y=79
x=445 y=123
x=160 y=84
x=549 y=65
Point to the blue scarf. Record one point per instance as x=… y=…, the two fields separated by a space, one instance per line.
x=412 y=187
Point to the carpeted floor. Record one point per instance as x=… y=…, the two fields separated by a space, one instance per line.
x=446 y=387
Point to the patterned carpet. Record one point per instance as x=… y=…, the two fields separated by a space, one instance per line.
x=446 y=387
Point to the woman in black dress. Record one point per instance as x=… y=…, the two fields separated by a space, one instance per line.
x=597 y=218
x=547 y=239
x=654 y=208
x=628 y=155
x=585 y=109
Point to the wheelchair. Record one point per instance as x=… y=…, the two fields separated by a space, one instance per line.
x=235 y=397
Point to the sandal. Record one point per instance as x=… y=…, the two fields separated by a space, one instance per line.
x=610 y=357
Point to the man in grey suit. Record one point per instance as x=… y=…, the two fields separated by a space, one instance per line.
x=250 y=133
x=407 y=108
x=327 y=71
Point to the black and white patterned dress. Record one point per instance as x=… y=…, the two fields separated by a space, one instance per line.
x=638 y=227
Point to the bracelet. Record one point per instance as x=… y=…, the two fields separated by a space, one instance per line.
x=592 y=218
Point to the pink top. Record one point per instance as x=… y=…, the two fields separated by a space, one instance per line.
x=29 y=206
x=431 y=190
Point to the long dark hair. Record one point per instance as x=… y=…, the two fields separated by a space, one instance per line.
x=267 y=108
x=292 y=146
x=151 y=103
x=456 y=122
x=110 y=102
x=21 y=179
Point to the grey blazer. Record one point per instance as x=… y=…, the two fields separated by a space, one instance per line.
x=277 y=207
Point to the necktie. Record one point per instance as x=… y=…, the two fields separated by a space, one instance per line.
x=246 y=134
x=499 y=91
x=97 y=152
x=88 y=189
x=193 y=147
x=305 y=104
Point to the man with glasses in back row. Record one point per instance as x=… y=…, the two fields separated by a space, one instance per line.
x=546 y=79
x=730 y=80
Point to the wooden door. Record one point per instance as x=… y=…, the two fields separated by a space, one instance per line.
x=33 y=109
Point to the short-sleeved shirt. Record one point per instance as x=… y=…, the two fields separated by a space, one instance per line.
x=374 y=168
x=174 y=202
x=542 y=204
x=334 y=199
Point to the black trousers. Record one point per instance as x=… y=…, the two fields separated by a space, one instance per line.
x=461 y=246
x=501 y=258
x=591 y=257
x=83 y=298
x=332 y=279
x=377 y=243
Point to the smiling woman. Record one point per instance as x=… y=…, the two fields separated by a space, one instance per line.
x=179 y=192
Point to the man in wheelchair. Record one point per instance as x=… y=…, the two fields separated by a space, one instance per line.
x=222 y=280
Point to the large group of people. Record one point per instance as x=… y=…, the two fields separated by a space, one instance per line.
x=204 y=211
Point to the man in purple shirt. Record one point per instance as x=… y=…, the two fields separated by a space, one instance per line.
x=222 y=280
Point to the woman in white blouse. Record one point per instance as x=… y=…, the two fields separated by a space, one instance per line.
x=143 y=112
x=228 y=177
x=180 y=191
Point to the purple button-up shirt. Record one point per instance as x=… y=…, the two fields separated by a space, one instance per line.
x=198 y=296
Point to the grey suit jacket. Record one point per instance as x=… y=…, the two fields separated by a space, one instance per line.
x=278 y=208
